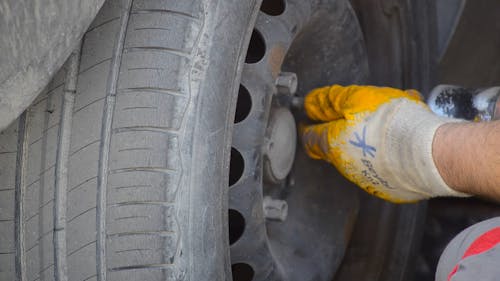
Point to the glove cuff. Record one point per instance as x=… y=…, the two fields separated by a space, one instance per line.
x=410 y=136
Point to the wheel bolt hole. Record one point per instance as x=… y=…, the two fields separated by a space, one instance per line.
x=243 y=105
x=256 y=49
x=236 y=226
x=236 y=166
x=273 y=7
x=242 y=272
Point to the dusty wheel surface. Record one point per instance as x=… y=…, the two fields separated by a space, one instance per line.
x=157 y=153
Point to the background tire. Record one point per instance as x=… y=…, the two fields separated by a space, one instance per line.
x=400 y=39
x=116 y=171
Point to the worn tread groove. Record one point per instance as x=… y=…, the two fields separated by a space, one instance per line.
x=106 y=132
x=151 y=203
x=132 y=217
x=39 y=208
x=37 y=244
x=151 y=28
x=47 y=169
x=164 y=130
x=44 y=133
x=44 y=269
x=7 y=253
x=153 y=90
x=102 y=24
x=32 y=183
x=81 y=247
x=161 y=233
x=81 y=214
x=160 y=170
x=91 y=276
x=61 y=171
x=139 y=107
x=47 y=94
x=136 y=149
x=133 y=186
x=20 y=185
x=94 y=65
x=145 y=68
x=80 y=184
x=166 y=11
x=143 y=266
x=167 y=50
x=88 y=104
x=40 y=237
x=83 y=147
x=133 y=250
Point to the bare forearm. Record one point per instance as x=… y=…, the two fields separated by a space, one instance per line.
x=467 y=156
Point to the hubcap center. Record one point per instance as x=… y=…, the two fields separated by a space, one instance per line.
x=280 y=145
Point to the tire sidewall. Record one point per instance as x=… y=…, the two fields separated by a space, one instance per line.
x=215 y=75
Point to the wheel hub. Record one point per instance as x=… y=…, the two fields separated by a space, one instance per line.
x=280 y=145
x=285 y=207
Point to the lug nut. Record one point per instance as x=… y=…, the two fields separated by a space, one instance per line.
x=286 y=83
x=297 y=102
x=275 y=209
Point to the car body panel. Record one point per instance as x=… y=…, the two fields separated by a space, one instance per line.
x=36 y=37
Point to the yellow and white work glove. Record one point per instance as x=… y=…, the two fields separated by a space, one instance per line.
x=378 y=138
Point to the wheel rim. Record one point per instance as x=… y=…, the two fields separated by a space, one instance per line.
x=300 y=239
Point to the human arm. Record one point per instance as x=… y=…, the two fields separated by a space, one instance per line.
x=467 y=156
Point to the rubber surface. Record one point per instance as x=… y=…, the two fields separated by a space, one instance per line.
x=116 y=171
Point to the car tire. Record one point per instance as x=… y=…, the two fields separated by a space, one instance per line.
x=118 y=170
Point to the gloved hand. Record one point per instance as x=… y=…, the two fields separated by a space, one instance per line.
x=378 y=138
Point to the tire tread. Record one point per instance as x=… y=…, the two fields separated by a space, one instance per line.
x=98 y=160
